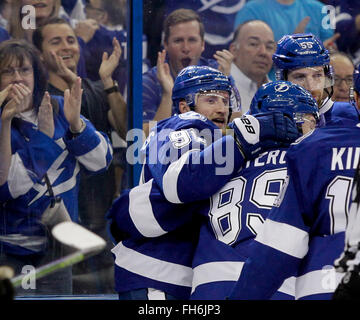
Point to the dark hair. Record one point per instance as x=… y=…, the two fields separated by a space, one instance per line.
x=20 y=50
x=181 y=16
x=116 y=11
x=37 y=37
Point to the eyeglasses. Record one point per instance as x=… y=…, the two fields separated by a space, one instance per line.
x=348 y=80
x=10 y=72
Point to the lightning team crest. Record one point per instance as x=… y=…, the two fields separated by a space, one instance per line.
x=221 y=6
x=282 y=87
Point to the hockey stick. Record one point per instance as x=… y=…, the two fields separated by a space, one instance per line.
x=71 y=234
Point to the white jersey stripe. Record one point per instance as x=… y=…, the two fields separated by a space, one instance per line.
x=18 y=180
x=95 y=159
x=317 y=282
x=288 y=286
x=274 y=233
x=171 y=175
x=141 y=212
x=152 y=268
x=216 y=271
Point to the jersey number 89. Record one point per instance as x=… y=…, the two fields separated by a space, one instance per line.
x=227 y=204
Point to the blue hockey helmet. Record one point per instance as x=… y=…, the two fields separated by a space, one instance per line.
x=287 y=97
x=301 y=50
x=197 y=79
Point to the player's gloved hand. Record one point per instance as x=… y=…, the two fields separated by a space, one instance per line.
x=349 y=260
x=348 y=263
x=256 y=133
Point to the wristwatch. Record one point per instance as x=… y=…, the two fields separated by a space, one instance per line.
x=76 y=134
x=114 y=88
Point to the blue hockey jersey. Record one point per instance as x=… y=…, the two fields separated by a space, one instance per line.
x=304 y=232
x=181 y=155
x=235 y=216
x=334 y=112
x=25 y=195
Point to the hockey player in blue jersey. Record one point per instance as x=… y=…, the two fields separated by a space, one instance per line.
x=181 y=158
x=303 y=59
x=304 y=232
x=45 y=142
x=237 y=211
x=349 y=261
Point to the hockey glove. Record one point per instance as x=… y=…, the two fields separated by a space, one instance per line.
x=349 y=261
x=256 y=133
x=349 y=287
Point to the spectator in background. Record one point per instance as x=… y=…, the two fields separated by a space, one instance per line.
x=289 y=17
x=111 y=18
x=107 y=13
x=104 y=105
x=183 y=46
x=252 y=48
x=348 y=26
x=218 y=18
x=45 y=142
x=5 y=12
x=343 y=68
x=60 y=51
x=74 y=9
x=44 y=10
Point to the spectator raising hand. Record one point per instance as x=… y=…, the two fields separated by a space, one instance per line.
x=45 y=116
x=61 y=69
x=224 y=59
x=72 y=106
x=109 y=64
x=163 y=74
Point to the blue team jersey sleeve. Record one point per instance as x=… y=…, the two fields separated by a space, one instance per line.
x=189 y=153
x=144 y=212
x=91 y=148
x=179 y=176
x=29 y=161
x=342 y=113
